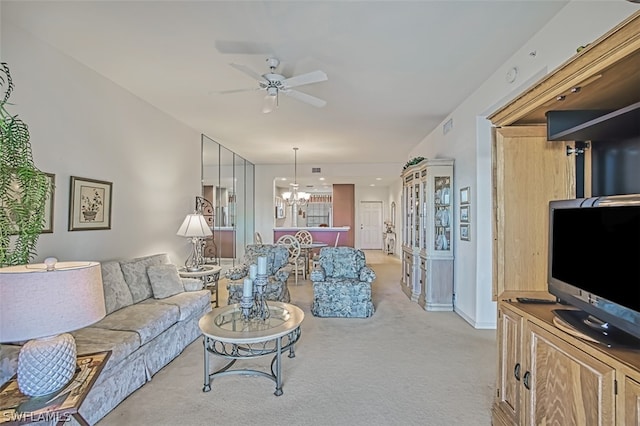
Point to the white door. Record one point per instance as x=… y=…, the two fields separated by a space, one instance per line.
x=370 y=225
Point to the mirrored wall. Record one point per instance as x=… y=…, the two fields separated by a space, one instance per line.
x=228 y=183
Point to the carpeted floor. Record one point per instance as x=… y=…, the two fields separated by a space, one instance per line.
x=402 y=366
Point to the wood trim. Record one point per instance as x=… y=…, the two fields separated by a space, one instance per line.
x=620 y=42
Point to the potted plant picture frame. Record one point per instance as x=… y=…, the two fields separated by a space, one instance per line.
x=89 y=204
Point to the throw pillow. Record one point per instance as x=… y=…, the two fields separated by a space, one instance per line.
x=116 y=291
x=164 y=280
x=135 y=274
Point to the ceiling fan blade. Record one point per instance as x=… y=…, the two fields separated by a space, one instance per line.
x=308 y=78
x=311 y=100
x=248 y=71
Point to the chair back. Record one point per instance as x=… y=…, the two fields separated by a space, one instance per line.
x=293 y=246
x=342 y=262
x=304 y=236
x=277 y=256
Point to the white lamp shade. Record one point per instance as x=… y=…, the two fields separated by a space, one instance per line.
x=37 y=303
x=194 y=225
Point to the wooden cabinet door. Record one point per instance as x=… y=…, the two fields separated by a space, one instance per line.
x=510 y=368
x=528 y=172
x=631 y=402
x=565 y=386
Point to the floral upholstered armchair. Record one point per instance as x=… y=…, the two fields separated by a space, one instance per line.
x=277 y=260
x=342 y=284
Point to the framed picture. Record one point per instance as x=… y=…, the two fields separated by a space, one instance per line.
x=48 y=205
x=89 y=204
x=465 y=195
x=464 y=213
x=465 y=232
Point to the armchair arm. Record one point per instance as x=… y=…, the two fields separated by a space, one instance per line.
x=318 y=274
x=367 y=274
x=282 y=274
x=237 y=272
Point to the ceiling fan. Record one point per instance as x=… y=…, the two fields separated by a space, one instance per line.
x=274 y=84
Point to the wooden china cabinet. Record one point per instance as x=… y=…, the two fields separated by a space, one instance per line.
x=546 y=375
x=427 y=234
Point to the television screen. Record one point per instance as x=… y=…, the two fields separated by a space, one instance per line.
x=594 y=258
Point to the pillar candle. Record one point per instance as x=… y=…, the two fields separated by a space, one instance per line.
x=253 y=271
x=262 y=265
x=247 y=288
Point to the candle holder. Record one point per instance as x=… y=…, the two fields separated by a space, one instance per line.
x=246 y=303
x=260 y=307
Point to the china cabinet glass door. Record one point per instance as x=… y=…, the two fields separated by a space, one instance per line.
x=442 y=211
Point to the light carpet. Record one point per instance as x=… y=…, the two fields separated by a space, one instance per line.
x=402 y=366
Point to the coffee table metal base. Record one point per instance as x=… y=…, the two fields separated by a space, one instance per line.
x=235 y=352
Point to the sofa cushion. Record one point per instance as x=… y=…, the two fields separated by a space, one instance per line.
x=116 y=291
x=189 y=303
x=94 y=339
x=135 y=274
x=146 y=320
x=164 y=280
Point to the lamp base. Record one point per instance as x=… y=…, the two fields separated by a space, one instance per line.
x=46 y=365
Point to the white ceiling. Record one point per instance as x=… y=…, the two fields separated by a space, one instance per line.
x=395 y=69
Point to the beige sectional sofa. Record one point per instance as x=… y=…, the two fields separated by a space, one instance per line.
x=152 y=315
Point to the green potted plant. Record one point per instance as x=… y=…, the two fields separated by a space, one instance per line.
x=23 y=187
x=412 y=162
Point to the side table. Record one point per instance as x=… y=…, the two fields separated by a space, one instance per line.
x=18 y=409
x=209 y=274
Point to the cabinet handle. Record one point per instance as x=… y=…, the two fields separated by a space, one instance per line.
x=516 y=371
x=525 y=380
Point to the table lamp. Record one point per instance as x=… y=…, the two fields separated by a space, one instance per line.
x=40 y=304
x=195 y=227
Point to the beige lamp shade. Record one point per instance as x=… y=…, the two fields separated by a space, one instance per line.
x=37 y=303
x=194 y=225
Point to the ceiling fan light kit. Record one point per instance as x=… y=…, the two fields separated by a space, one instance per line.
x=274 y=83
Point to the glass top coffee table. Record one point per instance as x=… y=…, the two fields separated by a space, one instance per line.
x=228 y=335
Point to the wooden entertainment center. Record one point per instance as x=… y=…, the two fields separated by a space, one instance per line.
x=546 y=375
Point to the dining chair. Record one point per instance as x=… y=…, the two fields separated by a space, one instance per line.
x=296 y=262
x=305 y=237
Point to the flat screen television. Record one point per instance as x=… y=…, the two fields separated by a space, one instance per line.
x=594 y=265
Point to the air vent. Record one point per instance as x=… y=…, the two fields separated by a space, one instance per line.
x=316 y=170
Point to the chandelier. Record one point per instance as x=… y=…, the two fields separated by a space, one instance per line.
x=294 y=197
